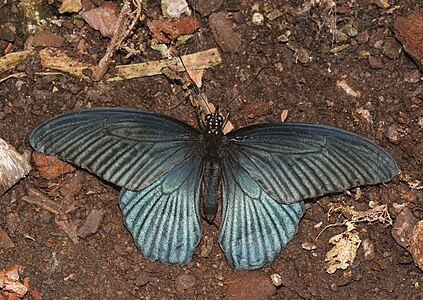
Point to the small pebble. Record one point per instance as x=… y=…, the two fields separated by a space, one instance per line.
x=392 y=133
x=402 y=229
x=185 y=281
x=258 y=19
x=376 y=62
x=369 y=249
x=5 y=241
x=91 y=224
x=276 y=279
x=308 y=246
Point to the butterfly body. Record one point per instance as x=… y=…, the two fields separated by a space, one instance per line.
x=265 y=172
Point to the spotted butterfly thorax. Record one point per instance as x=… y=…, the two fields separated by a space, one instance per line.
x=164 y=165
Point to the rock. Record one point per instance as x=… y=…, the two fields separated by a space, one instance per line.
x=413 y=76
x=392 y=133
x=91 y=223
x=257 y=19
x=224 y=35
x=402 y=229
x=276 y=279
x=7 y=32
x=416 y=244
x=251 y=285
x=175 y=8
x=185 y=281
x=392 y=49
x=47 y=38
x=5 y=241
x=206 y=7
x=369 y=249
x=376 y=62
x=408 y=31
x=363 y=37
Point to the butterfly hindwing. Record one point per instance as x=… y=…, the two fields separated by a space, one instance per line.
x=163 y=218
x=293 y=162
x=254 y=228
x=130 y=148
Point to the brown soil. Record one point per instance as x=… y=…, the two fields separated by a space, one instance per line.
x=107 y=265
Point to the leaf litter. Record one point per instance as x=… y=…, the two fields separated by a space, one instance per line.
x=346 y=244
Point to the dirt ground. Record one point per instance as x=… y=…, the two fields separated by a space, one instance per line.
x=304 y=65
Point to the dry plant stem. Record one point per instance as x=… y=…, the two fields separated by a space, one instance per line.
x=121 y=32
x=196 y=61
x=37 y=198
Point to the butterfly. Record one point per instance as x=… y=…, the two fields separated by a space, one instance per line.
x=164 y=165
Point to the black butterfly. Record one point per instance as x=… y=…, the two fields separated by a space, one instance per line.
x=265 y=171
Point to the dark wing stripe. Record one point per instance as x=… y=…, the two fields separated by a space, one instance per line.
x=130 y=148
x=350 y=169
x=293 y=162
x=318 y=172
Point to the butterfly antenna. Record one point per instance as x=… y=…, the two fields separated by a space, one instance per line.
x=245 y=88
x=197 y=90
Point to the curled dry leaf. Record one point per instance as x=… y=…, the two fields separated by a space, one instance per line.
x=103 y=18
x=13 y=166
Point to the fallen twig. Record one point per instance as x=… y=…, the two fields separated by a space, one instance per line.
x=121 y=32
x=39 y=199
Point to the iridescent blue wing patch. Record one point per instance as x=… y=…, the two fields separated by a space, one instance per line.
x=163 y=218
x=254 y=228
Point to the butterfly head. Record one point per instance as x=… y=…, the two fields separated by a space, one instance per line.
x=214 y=123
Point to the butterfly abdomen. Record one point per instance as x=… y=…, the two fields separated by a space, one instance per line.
x=211 y=177
x=211 y=174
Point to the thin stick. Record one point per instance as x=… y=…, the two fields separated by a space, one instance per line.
x=118 y=37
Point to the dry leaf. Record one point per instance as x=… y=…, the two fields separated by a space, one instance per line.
x=9 y=282
x=166 y=31
x=103 y=18
x=13 y=166
x=344 y=251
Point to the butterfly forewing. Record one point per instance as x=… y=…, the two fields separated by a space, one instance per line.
x=130 y=148
x=293 y=162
